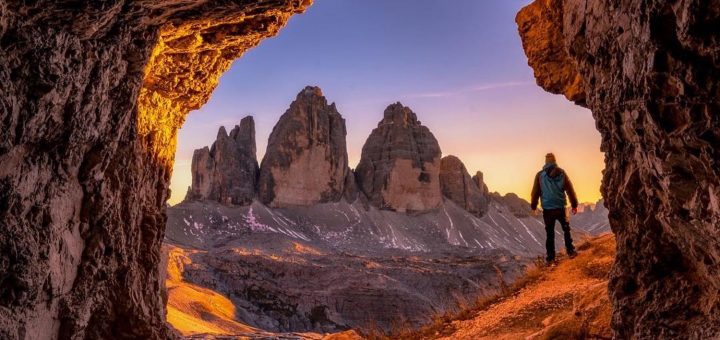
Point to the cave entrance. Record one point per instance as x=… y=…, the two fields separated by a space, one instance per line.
x=482 y=106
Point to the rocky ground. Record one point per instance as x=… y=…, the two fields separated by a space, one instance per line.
x=335 y=266
x=569 y=301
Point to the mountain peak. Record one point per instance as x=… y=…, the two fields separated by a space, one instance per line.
x=397 y=113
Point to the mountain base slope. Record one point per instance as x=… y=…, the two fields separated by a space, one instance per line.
x=569 y=301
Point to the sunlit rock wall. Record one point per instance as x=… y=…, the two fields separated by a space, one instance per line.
x=93 y=94
x=400 y=163
x=650 y=71
x=306 y=160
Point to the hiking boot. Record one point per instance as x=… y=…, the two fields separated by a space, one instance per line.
x=551 y=263
x=573 y=254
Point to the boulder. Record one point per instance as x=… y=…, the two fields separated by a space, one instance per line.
x=400 y=164
x=227 y=172
x=457 y=185
x=306 y=160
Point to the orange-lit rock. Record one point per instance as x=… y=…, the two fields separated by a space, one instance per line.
x=195 y=310
x=192 y=309
x=93 y=94
x=566 y=302
x=540 y=26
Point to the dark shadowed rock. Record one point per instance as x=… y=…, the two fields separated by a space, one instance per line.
x=306 y=158
x=227 y=172
x=400 y=163
x=650 y=73
x=457 y=185
x=479 y=180
x=351 y=189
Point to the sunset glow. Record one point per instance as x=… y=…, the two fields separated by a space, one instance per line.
x=460 y=67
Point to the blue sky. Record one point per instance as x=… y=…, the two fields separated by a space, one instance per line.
x=458 y=64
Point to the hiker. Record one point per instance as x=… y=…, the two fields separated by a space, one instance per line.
x=550 y=185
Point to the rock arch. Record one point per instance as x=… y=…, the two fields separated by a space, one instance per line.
x=93 y=93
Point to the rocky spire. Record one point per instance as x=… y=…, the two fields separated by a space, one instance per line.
x=306 y=158
x=228 y=171
x=457 y=185
x=480 y=182
x=400 y=163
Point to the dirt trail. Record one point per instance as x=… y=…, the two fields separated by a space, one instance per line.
x=569 y=301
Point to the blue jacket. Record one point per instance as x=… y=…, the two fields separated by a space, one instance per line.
x=551 y=184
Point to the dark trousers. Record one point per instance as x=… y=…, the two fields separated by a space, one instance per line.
x=550 y=216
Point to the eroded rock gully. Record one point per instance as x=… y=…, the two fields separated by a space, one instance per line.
x=93 y=94
x=649 y=70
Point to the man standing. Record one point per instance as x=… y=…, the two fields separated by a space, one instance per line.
x=551 y=184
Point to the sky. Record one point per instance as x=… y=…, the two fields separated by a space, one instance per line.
x=459 y=65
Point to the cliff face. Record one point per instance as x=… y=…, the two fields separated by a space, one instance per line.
x=400 y=163
x=93 y=94
x=228 y=171
x=650 y=75
x=306 y=160
x=459 y=187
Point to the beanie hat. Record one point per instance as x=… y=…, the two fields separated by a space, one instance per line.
x=550 y=158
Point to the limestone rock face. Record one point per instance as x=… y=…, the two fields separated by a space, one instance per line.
x=351 y=189
x=457 y=185
x=479 y=180
x=652 y=77
x=400 y=163
x=306 y=158
x=228 y=172
x=93 y=94
x=513 y=203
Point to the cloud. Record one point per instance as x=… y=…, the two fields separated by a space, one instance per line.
x=471 y=89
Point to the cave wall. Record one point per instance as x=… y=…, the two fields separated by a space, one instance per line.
x=92 y=95
x=649 y=70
